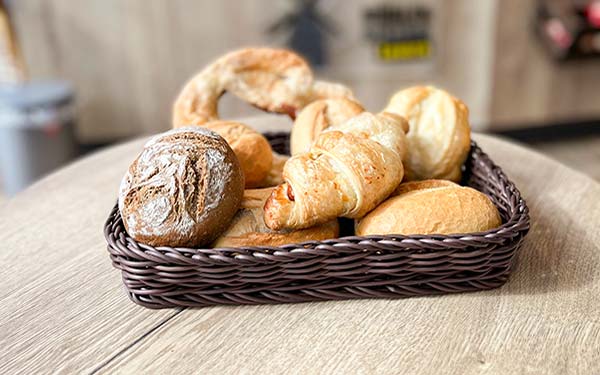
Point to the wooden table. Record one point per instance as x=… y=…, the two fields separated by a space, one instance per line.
x=63 y=309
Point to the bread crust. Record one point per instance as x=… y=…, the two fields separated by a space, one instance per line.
x=439 y=136
x=275 y=80
x=329 y=90
x=182 y=190
x=272 y=79
x=349 y=170
x=318 y=116
x=252 y=149
x=248 y=227
x=409 y=186
x=431 y=207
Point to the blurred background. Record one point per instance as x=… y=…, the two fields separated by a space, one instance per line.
x=80 y=75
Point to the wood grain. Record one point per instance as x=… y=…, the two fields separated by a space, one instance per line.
x=62 y=308
x=544 y=321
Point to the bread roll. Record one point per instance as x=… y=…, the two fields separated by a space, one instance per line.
x=439 y=133
x=431 y=207
x=248 y=227
x=318 y=116
x=251 y=148
x=182 y=190
x=406 y=187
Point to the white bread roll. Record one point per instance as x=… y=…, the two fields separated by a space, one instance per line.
x=431 y=207
x=439 y=135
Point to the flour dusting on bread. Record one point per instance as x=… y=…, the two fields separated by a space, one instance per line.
x=181 y=187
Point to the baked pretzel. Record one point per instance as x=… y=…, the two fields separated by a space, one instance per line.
x=274 y=80
x=322 y=90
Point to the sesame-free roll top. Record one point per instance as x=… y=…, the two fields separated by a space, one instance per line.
x=182 y=190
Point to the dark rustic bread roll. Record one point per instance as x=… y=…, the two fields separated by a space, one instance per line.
x=182 y=190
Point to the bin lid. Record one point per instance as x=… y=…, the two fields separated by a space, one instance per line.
x=34 y=94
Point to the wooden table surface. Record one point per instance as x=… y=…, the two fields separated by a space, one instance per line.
x=63 y=309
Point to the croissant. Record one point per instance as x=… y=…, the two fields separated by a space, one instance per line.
x=347 y=172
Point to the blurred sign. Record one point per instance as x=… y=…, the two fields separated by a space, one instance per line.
x=404 y=50
x=399 y=33
x=306 y=28
x=569 y=29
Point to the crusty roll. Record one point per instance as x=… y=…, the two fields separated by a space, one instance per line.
x=252 y=149
x=431 y=207
x=248 y=227
x=318 y=116
x=439 y=133
x=405 y=187
x=182 y=190
x=349 y=170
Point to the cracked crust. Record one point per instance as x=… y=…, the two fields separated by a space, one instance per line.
x=182 y=190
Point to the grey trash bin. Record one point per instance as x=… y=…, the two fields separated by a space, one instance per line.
x=36 y=132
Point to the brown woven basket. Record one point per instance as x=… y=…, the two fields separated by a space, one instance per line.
x=389 y=266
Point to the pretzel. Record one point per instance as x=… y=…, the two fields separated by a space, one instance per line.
x=274 y=80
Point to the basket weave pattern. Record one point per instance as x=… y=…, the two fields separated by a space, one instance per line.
x=387 y=266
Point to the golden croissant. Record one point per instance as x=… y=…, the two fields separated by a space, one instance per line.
x=348 y=171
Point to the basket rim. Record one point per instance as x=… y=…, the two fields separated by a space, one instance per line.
x=517 y=224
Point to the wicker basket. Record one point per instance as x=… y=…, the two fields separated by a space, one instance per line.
x=389 y=266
